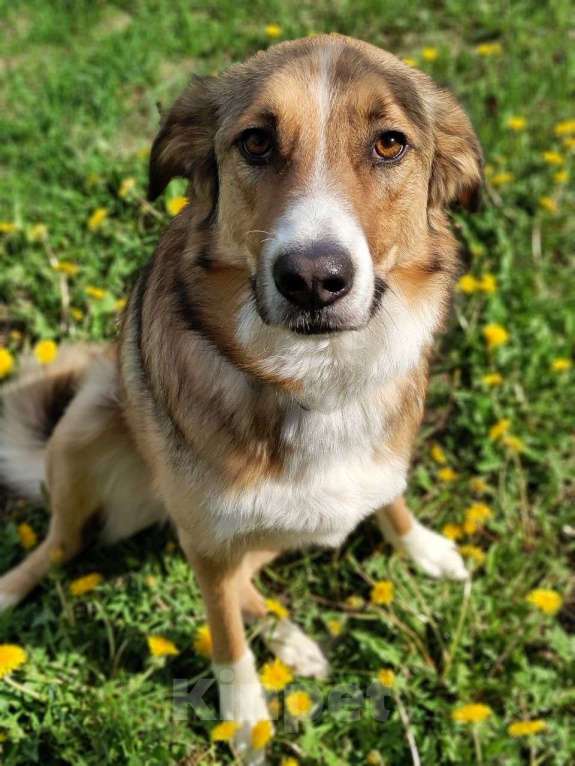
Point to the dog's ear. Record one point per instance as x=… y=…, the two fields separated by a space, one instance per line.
x=184 y=145
x=456 y=172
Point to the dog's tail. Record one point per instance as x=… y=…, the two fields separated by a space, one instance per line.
x=31 y=407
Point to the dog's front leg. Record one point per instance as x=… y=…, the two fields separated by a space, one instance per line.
x=433 y=553
x=242 y=698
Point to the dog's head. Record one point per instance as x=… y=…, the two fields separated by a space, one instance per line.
x=320 y=167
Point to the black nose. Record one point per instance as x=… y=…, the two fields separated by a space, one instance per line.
x=314 y=276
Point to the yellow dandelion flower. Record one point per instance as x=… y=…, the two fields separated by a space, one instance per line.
x=498 y=429
x=553 y=158
x=289 y=762
x=128 y=185
x=6 y=362
x=516 y=123
x=96 y=293
x=569 y=143
x=28 y=538
x=560 y=364
x=82 y=585
x=495 y=335
x=354 y=602
x=502 y=179
x=474 y=713
x=565 y=128
x=489 y=49
x=68 y=268
x=561 y=177
x=549 y=204
x=175 y=205
x=334 y=627
x=382 y=593
x=478 y=485
x=467 y=284
x=7 y=227
x=275 y=676
x=374 y=758
x=526 y=728
x=38 y=233
x=224 y=731
x=452 y=531
x=479 y=513
x=299 y=704
x=12 y=657
x=548 y=601
x=203 y=641
x=472 y=552
x=430 y=54
x=514 y=443
x=262 y=732
x=410 y=62
x=273 y=31
x=161 y=647
x=492 y=379
x=277 y=608
x=487 y=283
x=438 y=454
x=97 y=218
x=76 y=314
x=447 y=475
x=46 y=351
x=120 y=305
x=386 y=677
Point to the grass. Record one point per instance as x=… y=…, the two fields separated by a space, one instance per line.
x=78 y=110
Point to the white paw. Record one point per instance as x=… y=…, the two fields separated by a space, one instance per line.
x=297 y=650
x=434 y=554
x=242 y=699
x=8 y=599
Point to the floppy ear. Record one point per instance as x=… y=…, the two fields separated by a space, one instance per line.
x=456 y=172
x=184 y=145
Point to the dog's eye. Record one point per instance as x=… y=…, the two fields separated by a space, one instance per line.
x=256 y=145
x=390 y=145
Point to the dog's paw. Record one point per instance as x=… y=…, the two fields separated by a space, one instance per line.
x=434 y=554
x=294 y=648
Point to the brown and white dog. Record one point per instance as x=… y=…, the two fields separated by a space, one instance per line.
x=271 y=372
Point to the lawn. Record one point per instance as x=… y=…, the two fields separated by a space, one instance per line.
x=80 y=86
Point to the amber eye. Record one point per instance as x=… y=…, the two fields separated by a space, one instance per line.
x=256 y=145
x=390 y=145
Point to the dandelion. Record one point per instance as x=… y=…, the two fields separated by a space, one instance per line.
x=38 y=233
x=487 y=283
x=478 y=485
x=97 y=218
x=224 y=731
x=386 y=677
x=474 y=713
x=495 y=335
x=452 y=531
x=526 y=728
x=275 y=676
x=277 y=608
x=7 y=227
x=430 y=54
x=120 y=305
x=565 y=128
x=549 y=204
x=299 y=704
x=161 y=647
x=475 y=516
x=262 y=732
x=502 y=179
x=514 y=443
x=273 y=31
x=96 y=293
x=82 y=585
x=6 y=362
x=126 y=187
x=472 y=552
x=447 y=475
x=289 y=762
x=76 y=314
x=354 y=602
x=489 y=49
x=561 y=177
x=467 y=284
x=382 y=593
x=175 y=205
x=498 y=429
x=68 y=268
x=560 y=364
x=203 y=641
x=28 y=538
x=492 y=379
x=12 y=657
x=569 y=143
x=438 y=454
x=410 y=61
x=516 y=123
x=46 y=351
x=334 y=627
x=548 y=601
x=553 y=158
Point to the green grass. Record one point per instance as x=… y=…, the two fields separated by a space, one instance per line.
x=77 y=107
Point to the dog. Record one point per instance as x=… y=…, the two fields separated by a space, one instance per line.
x=271 y=371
